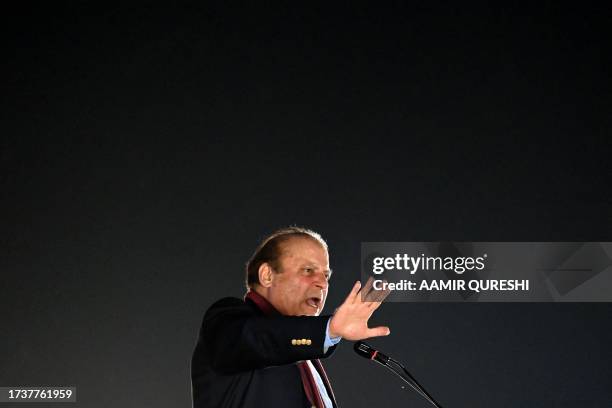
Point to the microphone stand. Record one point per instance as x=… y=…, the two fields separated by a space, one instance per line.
x=409 y=379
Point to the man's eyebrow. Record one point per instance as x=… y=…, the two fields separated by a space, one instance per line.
x=316 y=265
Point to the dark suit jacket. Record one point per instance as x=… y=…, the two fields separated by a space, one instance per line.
x=246 y=359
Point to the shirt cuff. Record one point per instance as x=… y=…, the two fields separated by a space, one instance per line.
x=330 y=341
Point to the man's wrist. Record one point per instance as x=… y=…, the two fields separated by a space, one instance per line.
x=330 y=338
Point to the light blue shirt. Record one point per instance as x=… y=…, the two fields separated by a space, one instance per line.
x=320 y=385
x=329 y=341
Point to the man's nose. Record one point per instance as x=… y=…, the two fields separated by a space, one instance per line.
x=321 y=281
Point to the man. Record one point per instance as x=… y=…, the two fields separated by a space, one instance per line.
x=263 y=351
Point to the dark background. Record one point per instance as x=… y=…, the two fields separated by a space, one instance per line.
x=146 y=151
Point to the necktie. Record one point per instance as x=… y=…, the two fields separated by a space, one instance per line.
x=310 y=386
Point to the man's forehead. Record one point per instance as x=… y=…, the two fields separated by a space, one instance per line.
x=303 y=248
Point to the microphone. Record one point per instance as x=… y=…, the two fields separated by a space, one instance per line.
x=366 y=351
x=369 y=352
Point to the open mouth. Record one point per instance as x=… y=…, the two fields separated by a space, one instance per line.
x=314 y=302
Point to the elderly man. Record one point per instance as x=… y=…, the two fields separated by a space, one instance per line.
x=264 y=351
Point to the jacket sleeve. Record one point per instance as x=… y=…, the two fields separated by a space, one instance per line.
x=237 y=338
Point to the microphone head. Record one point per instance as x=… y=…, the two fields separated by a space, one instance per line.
x=364 y=350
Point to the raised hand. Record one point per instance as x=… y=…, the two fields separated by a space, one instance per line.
x=351 y=319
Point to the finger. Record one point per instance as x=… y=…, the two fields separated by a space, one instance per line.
x=378 y=297
x=365 y=292
x=372 y=298
x=385 y=294
x=354 y=293
x=378 y=331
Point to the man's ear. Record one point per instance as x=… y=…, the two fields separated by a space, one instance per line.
x=266 y=275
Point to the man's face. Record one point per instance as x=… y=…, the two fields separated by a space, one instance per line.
x=299 y=286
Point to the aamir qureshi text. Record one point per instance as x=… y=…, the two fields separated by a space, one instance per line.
x=476 y=285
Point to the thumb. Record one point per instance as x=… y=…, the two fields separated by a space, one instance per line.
x=378 y=331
